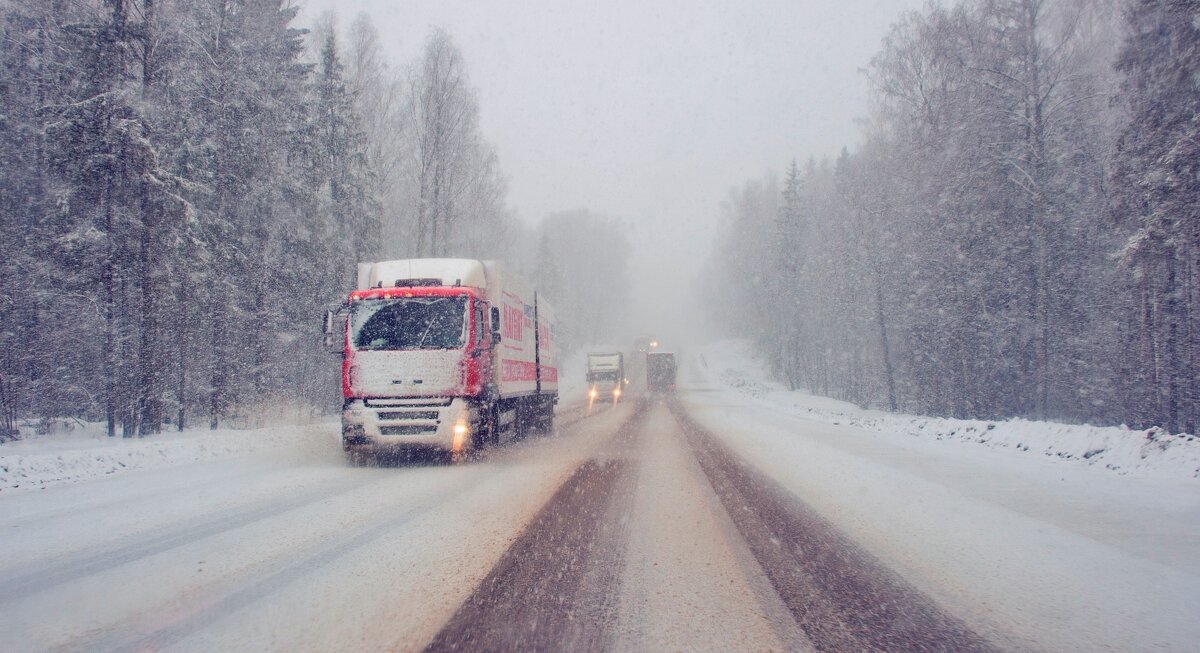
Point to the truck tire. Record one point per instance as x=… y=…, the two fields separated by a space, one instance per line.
x=357 y=457
x=487 y=433
x=520 y=420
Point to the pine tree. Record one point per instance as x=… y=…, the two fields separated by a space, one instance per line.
x=32 y=78
x=183 y=194
x=1158 y=172
x=117 y=198
x=242 y=84
x=789 y=284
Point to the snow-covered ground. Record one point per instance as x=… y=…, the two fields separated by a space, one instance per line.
x=75 y=452
x=283 y=547
x=1037 y=546
x=1078 y=539
x=84 y=452
x=1153 y=452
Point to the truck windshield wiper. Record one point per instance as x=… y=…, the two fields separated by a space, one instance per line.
x=425 y=334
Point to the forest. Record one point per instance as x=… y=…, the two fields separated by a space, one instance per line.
x=1016 y=236
x=187 y=186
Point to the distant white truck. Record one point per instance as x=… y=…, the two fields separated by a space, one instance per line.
x=605 y=376
x=447 y=354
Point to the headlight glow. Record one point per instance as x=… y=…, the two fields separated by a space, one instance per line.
x=460 y=436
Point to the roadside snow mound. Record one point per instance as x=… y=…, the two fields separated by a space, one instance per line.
x=43 y=461
x=734 y=366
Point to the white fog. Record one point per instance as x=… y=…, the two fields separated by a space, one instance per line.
x=631 y=326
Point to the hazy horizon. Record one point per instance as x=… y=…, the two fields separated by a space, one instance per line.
x=648 y=113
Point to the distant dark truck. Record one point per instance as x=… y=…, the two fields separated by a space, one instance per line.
x=644 y=344
x=660 y=372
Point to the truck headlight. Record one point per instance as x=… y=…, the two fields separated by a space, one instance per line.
x=460 y=435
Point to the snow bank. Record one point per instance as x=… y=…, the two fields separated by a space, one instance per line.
x=734 y=366
x=85 y=453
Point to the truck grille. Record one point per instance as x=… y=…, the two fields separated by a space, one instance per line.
x=414 y=414
x=407 y=429
x=405 y=403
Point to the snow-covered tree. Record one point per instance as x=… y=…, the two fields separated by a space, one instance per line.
x=454 y=173
x=1158 y=183
x=961 y=262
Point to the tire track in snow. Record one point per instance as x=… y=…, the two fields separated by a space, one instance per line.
x=690 y=582
x=170 y=624
x=53 y=573
x=556 y=587
x=842 y=597
x=572 y=414
x=174 y=622
x=107 y=500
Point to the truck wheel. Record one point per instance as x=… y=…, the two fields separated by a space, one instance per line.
x=516 y=428
x=510 y=430
x=491 y=426
x=356 y=458
x=479 y=435
x=531 y=417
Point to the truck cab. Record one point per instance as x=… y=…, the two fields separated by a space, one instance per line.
x=443 y=354
x=605 y=376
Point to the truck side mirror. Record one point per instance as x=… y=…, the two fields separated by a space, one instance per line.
x=495 y=326
x=333 y=344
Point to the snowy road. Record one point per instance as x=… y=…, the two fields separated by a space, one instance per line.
x=293 y=552
x=703 y=524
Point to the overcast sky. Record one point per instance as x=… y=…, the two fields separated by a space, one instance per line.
x=648 y=110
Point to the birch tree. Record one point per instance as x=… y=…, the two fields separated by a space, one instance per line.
x=457 y=206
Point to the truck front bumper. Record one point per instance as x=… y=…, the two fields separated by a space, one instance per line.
x=432 y=423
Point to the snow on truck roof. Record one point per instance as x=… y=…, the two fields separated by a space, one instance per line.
x=423 y=271
x=604 y=360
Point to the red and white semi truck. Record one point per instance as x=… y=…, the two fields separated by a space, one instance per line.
x=446 y=354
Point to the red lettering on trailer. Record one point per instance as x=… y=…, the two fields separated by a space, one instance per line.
x=519 y=371
x=526 y=371
x=513 y=323
x=545 y=336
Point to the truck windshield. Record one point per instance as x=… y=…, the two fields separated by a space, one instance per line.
x=409 y=323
